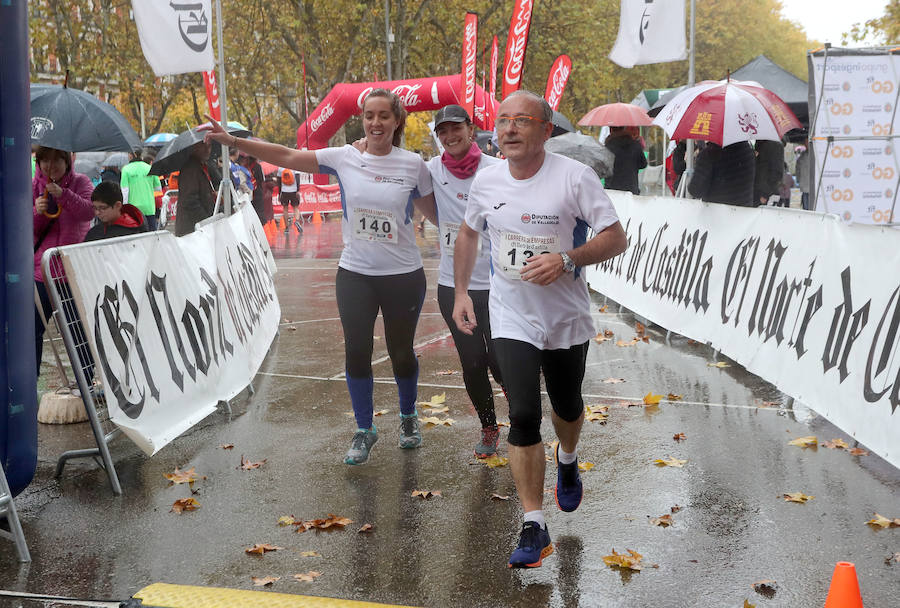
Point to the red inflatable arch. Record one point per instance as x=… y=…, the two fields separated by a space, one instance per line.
x=418 y=94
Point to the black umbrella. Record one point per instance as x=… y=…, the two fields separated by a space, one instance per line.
x=175 y=154
x=75 y=121
x=584 y=149
x=561 y=124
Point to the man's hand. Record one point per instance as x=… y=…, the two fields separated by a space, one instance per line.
x=464 y=313
x=542 y=269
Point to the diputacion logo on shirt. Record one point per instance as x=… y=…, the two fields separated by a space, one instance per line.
x=384 y=179
x=537 y=218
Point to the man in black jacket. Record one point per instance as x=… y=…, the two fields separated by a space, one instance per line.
x=724 y=175
x=116 y=218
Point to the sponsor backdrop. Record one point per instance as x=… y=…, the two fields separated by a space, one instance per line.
x=176 y=324
x=801 y=299
x=856 y=174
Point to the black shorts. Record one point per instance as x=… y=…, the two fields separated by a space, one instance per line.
x=290 y=198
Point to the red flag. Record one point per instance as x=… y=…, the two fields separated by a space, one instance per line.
x=494 y=54
x=556 y=81
x=469 y=67
x=212 y=94
x=516 y=41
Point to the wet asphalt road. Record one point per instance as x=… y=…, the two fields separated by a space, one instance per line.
x=733 y=528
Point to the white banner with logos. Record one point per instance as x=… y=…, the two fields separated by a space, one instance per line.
x=175 y=324
x=176 y=37
x=857 y=173
x=650 y=32
x=807 y=302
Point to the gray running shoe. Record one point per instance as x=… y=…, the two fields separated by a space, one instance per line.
x=410 y=437
x=361 y=445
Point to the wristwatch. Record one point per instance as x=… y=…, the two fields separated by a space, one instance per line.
x=568 y=263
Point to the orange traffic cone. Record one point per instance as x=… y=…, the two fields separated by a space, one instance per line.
x=317 y=218
x=844 y=590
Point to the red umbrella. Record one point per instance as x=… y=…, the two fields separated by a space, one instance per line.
x=267 y=168
x=616 y=115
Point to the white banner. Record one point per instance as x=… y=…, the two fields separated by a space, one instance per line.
x=176 y=36
x=651 y=31
x=857 y=173
x=803 y=300
x=175 y=324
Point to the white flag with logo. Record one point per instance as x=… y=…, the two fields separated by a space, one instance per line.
x=176 y=35
x=650 y=31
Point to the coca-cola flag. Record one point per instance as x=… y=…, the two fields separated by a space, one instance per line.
x=176 y=37
x=493 y=89
x=556 y=81
x=212 y=94
x=651 y=31
x=516 y=41
x=469 y=55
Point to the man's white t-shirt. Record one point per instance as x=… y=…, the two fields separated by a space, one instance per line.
x=451 y=195
x=377 y=194
x=550 y=211
x=286 y=187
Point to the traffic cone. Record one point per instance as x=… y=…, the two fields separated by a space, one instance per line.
x=844 y=590
x=317 y=218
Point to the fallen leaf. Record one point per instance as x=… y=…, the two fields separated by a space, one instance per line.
x=425 y=494
x=262 y=581
x=307 y=577
x=499 y=497
x=585 y=466
x=434 y=411
x=797 y=497
x=675 y=508
x=447 y=372
x=669 y=462
x=747 y=604
x=430 y=421
x=286 y=520
x=600 y=338
x=890 y=560
x=596 y=409
x=663 y=521
x=435 y=400
x=613 y=380
x=292 y=328
x=261 y=548
x=632 y=561
x=719 y=364
x=366 y=528
x=769 y=404
x=608 y=333
x=602 y=308
x=692 y=343
x=679 y=436
x=246 y=465
x=810 y=441
x=836 y=444
x=858 y=452
x=494 y=461
x=766 y=588
x=623 y=343
x=310 y=554
x=639 y=328
x=380 y=413
x=323 y=523
x=502 y=423
x=596 y=413
x=647 y=340
x=184 y=504
x=177 y=476
x=651 y=399
x=674 y=397
x=880 y=521
x=227 y=446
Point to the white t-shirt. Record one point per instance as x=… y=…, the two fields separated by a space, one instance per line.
x=550 y=211
x=286 y=187
x=377 y=194
x=451 y=195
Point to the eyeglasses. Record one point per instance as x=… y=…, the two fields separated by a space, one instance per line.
x=520 y=120
x=101 y=208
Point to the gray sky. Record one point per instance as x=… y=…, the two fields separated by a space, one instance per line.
x=826 y=20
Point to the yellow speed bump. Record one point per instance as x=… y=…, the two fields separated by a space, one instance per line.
x=164 y=595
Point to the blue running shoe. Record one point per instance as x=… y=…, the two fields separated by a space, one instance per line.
x=361 y=445
x=568 y=483
x=534 y=546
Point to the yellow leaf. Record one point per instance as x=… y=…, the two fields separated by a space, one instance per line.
x=632 y=561
x=262 y=581
x=323 y=523
x=600 y=338
x=366 y=528
x=719 y=364
x=747 y=604
x=602 y=308
x=674 y=397
x=261 y=548
x=380 y=413
x=310 y=554
x=810 y=441
x=430 y=421
x=286 y=520
x=177 y=476
x=797 y=497
x=585 y=466
x=669 y=462
x=435 y=400
x=836 y=444
x=307 y=577
x=227 y=446
x=880 y=521
x=494 y=461
x=246 y=465
x=679 y=437
x=651 y=399
x=447 y=372
x=502 y=423
x=184 y=504
x=664 y=521
x=857 y=452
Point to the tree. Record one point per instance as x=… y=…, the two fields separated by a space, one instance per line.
x=884 y=30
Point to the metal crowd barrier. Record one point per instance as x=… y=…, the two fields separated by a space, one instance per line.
x=69 y=323
x=8 y=510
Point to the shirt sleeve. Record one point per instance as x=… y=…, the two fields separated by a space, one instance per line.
x=423 y=181
x=330 y=159
x=476 y=217
x=594 y=205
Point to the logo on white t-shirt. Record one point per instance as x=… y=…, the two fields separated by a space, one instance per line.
x=537 y=218
x=383 y=179
x=526 y=218
x=462 y=196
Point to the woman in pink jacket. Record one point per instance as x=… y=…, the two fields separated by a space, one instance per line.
x=62 y=216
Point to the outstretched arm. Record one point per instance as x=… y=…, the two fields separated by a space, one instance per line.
x=282 y=156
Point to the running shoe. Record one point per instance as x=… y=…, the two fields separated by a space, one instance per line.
x=568 y=483
x=534 y=546
x=410 y=436
x=298 y=226
x=361 y=445
x=487 y=447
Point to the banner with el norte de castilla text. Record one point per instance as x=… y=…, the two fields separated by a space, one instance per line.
x=805 y=301
x=176 y=37
x=176 y=325
x=651 y=31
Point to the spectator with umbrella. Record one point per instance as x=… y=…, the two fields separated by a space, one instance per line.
x=628 y=151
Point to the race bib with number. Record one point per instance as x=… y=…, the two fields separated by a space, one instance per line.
x=516 y=248
x=449 y=232
x=375 y=225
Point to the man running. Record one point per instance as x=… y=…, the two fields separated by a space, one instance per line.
x=536 y=210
